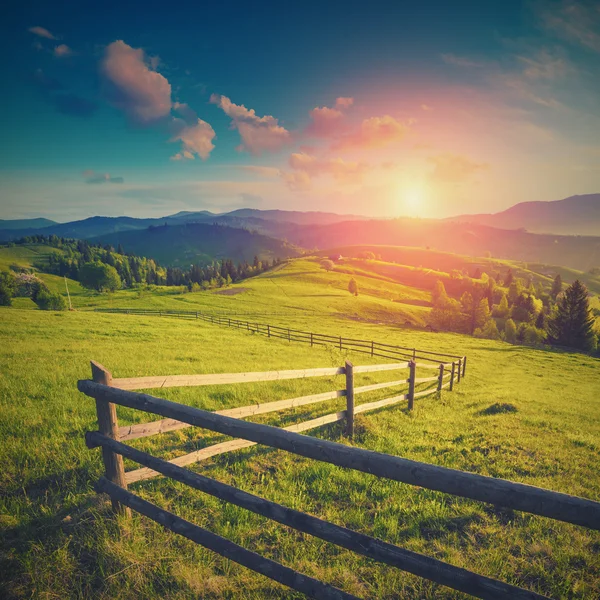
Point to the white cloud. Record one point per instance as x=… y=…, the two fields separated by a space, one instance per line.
x=141 y=93
x=41 y=32
x=259 y=134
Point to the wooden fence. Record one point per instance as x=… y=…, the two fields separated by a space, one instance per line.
x=369 y=347
x=109 y=392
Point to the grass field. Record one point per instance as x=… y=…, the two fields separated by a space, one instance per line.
x=60 y=541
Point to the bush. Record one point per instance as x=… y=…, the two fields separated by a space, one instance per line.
x=534 y=336
x=50 y=301
x=28 y=285
x=327 y=264
x=353 y=287
x=510 y=331
x=489 y=331
x=7 y=288
x=99 y=276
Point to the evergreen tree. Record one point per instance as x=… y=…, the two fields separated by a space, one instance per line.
x=540 y=321
x=439 y=297
x=353 y=287
x=509 y=278
x=481 y=314
x=501 y=311
x=556 y=286
x=573 y=323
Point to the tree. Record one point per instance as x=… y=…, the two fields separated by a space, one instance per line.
x=100 y=277
x=50 y=301
x=514 y=291
x=501 y=310
x=573 y=323
x=327 y=264
x=439 y=297
x=556 y=286
x=353 y=287
x=510 y=331
x=7 y=288
x=540 y=321
x=509 y=278
x=488 y=331
x=481 y=314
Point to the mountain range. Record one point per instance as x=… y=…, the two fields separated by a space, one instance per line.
x=576 y=215
x=564 y=232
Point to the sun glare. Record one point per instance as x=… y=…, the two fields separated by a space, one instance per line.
x=412 y=200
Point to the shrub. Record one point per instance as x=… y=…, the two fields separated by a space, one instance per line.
x=327 y=264
x=510 y=331
x=353 y=287
x=533 y=335
x=99 y=276
x=28 y=285
x=489 y=331
x=50 y=301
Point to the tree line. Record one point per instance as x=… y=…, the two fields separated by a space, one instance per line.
x=516 y=311
x=102 y=268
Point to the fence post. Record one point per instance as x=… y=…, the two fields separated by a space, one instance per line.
x=441 y=378
x=349 y=399
x=452 y=377
x=196 y=314
x=109 y=426
x=340 y=342
x=311 y=339
x=459 y=370
x=268 y=331
x=289 y=339
x=464 y=365
x=411 y=383
x=414 y=354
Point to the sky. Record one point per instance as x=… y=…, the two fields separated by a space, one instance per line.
x=387 y=109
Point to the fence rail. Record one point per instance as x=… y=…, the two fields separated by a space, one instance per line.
x=109 y=392
x=369 y=347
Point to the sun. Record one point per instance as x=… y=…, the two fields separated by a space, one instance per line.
x=412 y=200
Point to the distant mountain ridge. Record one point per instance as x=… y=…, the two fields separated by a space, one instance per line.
x=199 y=243
x=39 y=223
x=267 y=222
x=576 y=215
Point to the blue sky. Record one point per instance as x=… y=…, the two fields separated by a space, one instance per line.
x=388 y=109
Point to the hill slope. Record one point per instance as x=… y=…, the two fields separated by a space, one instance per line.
x=198 y=243
x=580 y=253
x=576 y=215
x=11 y=224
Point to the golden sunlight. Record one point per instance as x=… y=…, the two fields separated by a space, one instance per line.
x=412 y=200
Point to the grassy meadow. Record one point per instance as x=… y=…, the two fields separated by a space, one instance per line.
x=523 y=414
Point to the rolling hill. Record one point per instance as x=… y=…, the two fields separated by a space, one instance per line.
x=577 y=252
x=321 y=231
x=576 y=215
x=199 y=243
x=11 y=224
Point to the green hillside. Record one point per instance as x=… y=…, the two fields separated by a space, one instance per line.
x=57 y=535
x=198 y=243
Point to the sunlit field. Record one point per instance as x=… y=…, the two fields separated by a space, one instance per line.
x=521 y=414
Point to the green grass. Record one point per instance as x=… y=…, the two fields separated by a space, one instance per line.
x=521 y=414
x=59 y=540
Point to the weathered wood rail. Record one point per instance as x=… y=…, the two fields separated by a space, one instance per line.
x=370 y=347
x=109 y=392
